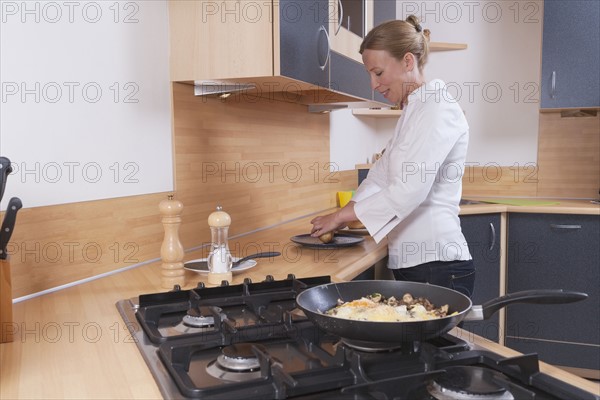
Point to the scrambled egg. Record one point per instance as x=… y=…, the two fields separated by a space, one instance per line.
x=366 y=309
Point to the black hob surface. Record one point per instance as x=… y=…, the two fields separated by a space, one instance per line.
x=249 y=341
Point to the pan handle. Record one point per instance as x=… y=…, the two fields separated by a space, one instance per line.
x=538 y=296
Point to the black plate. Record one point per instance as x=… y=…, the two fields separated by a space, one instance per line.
x=339 y=240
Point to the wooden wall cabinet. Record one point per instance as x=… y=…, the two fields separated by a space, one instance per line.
x=219 y=40
x=285 y=49
x=555 y=251
x=279 y=46
x=570 y=57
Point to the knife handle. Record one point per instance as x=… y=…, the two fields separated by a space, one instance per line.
x=8 y=225
x=5 y=169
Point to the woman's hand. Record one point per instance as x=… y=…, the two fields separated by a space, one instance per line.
x=331 y=222
x=324 y=224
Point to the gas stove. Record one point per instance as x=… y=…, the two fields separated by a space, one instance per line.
x=250 y=341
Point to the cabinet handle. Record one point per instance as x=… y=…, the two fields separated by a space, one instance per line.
x=561 y=226
x=322 y=29
x=493 y=229
x=341 y=17
x=553 y=87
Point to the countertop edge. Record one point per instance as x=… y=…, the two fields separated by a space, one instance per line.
x=583 y=207
x=549 y=369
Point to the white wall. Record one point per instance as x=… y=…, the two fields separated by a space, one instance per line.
x=85 y=111
x=354 y=140
x=496 y=79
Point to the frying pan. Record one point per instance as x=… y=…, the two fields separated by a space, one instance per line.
x=316 y=300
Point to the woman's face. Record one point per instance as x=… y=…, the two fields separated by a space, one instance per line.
x=391 y=77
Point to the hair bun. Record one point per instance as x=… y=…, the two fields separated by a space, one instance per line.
x=427 y=34
x=413 y=20
x=418 y=27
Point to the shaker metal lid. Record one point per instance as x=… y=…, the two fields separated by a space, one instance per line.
x=219 y=218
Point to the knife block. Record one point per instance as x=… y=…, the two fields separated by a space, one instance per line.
x=6 y=331
x=171 y=251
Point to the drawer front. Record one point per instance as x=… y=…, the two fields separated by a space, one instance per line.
x=547 y=251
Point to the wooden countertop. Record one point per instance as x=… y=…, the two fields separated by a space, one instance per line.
x=585 y=207
x=73 y=343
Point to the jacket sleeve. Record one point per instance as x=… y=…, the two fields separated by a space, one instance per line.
x=375 y=180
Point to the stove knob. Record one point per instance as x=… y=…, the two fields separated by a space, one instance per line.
x=176 y=288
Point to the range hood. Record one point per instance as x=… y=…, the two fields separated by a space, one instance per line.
x=221 y=89
x=318 y=99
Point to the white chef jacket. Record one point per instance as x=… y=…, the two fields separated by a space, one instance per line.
x=412 y=193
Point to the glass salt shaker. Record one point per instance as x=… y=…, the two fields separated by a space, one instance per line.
x=219 y=260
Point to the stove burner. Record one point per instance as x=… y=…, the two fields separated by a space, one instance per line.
x=236 y=362
x=466 y=382
x=200 y=317
x=377 y=347
x=193 y=321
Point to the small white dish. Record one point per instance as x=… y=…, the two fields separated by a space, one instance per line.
x=202 y=267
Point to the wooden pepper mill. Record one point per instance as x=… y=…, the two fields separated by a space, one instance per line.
x=171 y=251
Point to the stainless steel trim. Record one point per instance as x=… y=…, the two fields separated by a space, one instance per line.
x=206 y=88
x=164 y=382
x=474 y=314
x=341 y=17
x=553 y=88
x=564 y=226
x=322 y=29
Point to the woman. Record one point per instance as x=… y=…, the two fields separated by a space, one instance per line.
x=412 y=194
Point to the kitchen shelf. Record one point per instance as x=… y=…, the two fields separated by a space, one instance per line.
x=363 y=166
x=444 y=46
x=377 y=113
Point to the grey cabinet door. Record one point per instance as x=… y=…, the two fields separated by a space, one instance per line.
x=482 y=232
x=554 y=251
x=384 y=10
x=571 y=54
x=304 y=44
x=349 y=76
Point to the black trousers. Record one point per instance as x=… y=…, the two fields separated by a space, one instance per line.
x=456 y=275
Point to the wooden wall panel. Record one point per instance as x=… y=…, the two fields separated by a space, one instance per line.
x=500 y=181
x=56 y=245
x=569 y=156
x=220 y=147
x=264 y=162
x=568 y=164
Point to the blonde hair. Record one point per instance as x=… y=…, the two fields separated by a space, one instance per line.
x=398 y=38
